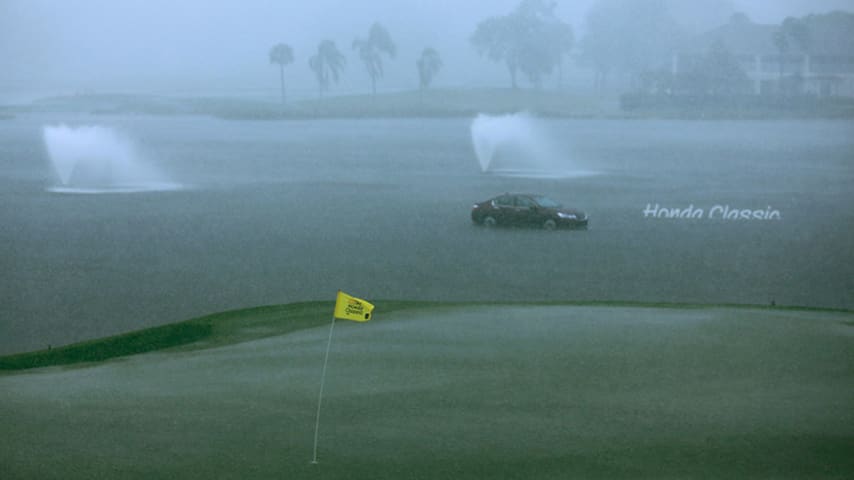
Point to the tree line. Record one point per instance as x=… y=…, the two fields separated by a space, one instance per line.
x=530 y=39
x=632 y=38
x=328 y=62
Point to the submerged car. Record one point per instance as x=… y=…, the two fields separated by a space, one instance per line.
x=522 y=209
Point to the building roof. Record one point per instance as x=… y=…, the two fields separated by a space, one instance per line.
x=740 y=35
x=828 y=34
x=831 y=33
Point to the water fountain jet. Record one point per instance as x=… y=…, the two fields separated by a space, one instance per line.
x=96 y=159
x=517 y=145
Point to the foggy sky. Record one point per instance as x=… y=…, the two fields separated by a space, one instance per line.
x=218 y=46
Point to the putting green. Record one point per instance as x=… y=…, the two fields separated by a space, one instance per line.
x=507 y=391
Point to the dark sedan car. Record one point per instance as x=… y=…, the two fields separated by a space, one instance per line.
x=521 y=209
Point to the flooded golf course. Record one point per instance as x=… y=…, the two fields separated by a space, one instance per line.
x=113 y=223
x=213 y=215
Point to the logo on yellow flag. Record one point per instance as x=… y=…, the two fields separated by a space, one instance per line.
x=351 y=308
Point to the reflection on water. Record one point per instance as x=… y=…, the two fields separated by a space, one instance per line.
x=541 y=174
x=140 y=188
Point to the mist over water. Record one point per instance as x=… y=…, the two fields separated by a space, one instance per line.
x=519 y=145
x=97 y=159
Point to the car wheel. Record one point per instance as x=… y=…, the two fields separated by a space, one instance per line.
x=549 y=224
x=489 y=221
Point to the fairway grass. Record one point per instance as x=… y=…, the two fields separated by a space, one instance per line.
x=447 y=102
x=204 y=332
x=454 y=391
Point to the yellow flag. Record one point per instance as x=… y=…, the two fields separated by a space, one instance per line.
x=352 y=308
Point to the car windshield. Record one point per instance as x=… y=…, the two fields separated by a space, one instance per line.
x=546 y=202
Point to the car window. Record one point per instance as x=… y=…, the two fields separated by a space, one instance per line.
x=547 y=202
x=524 y=202
x=504 y=201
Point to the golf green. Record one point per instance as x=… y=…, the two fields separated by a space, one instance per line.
x=491 y=391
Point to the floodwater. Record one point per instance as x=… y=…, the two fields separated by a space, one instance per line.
x=275 y=212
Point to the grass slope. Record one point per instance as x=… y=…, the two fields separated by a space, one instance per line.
x=204 y=332
x=429 y=103
x=455 y=391
x=451 y=102
x=249 y=324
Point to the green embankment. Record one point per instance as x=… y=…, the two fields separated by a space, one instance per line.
x=203 y=332
x=218 y=328
x=454 y=390
x=428 y=103
x=252 y=323
x=450 y=102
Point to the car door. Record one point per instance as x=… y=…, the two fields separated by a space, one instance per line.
x=524 y=211
x=504 y=208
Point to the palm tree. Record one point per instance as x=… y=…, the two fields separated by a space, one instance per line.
x=428 y=65
x=282 y=54
x=371 y=49
x=326 y=63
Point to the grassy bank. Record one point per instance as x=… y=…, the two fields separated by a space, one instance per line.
x=736 y=106
x=203 y=332
x=456 y=391
x=250 y=324
x=210 y=330
x=459 y=103
x=428 y=103
x=450 y=102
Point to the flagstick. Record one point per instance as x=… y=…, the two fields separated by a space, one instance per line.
x=320 y=395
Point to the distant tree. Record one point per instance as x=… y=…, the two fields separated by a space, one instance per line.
x=531 y=39
x=553 y=39
x=740 y=18
x=326 y=64
x=428 y=65
x=282 y=55
x=563 y=42
x=718 y=73
x=494 y=39
x=371 y=49
x=790 y=30
x=628 y=36
x=698 y=16
x=726 y=76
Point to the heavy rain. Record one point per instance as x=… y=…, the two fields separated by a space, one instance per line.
x=612 y=212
